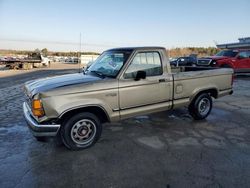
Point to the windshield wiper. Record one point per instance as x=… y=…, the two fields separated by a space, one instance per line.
x=99 y=74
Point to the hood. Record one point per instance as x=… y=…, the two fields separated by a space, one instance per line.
x=219 y=57
x=45 y=84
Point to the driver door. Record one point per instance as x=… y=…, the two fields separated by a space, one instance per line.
x=145 y=95
x=243 y=61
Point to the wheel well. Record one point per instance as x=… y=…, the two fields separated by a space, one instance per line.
x=98 y=111
x=212 y=92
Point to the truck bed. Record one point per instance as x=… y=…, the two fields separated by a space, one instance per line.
x=190 y=68
x=191 y=80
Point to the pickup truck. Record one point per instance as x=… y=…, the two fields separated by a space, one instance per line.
x=33 y=60
x=239 y=60
x=121 y=83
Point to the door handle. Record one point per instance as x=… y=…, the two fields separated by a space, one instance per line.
x=162 y=80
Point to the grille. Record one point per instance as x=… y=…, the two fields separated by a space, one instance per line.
x=204 y=61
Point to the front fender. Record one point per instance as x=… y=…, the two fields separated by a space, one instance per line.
x=226 y=63
x=57 y=105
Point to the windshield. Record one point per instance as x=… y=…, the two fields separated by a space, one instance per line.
x=227 y=53
x=109 y=64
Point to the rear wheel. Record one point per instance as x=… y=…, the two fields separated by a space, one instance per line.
x=81 y=131
x=201 y=106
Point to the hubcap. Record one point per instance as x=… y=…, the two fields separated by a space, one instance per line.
x=204 y=106
x=83 y=131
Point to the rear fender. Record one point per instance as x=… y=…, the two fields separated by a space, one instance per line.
x=213 y=91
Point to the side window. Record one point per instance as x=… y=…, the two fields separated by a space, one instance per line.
x=248 y=54
x=244 y=54
x=150 y=62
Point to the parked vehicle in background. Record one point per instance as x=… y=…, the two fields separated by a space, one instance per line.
x=33 y=60
x=121 y=83
x=45 y=61
x=68 y=60
x=239 y=60
x=183 y=61
x=76 y=60
x=73 y=60
x=62 y=60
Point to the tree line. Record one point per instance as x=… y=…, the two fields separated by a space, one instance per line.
x=199 y=51
x=45 y=52
x=174 y=52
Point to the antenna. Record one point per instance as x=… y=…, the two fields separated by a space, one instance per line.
x=80 y=49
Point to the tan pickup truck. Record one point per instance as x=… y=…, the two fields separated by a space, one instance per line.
x=121 y=83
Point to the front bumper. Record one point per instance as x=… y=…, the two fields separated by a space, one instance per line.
x=39 y=130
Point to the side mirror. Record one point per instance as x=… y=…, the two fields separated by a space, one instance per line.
x=140 y=75
x=84 y=69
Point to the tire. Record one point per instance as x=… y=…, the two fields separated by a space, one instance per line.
x=81 y=131
x=201 y=106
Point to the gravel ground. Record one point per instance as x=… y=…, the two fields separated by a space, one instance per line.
x=166 y=149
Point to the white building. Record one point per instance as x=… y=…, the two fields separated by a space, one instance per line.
x=85 y=59
x=244 y=43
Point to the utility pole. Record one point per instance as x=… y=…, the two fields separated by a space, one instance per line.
x=80 y=49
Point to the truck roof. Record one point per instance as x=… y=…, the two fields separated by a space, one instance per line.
x=137 y=48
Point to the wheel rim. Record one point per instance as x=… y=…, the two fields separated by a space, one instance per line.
x=83 y=131
x=204 y=106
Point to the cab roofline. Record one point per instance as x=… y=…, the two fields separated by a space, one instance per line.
x=137 y=48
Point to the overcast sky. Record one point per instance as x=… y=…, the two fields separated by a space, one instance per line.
x=57 y=24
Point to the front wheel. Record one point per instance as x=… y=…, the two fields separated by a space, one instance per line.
x=201 y=106
x=81 y=131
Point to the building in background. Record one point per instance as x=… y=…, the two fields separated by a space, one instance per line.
x=244 y=43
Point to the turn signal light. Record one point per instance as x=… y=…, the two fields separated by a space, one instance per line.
x=37 y=108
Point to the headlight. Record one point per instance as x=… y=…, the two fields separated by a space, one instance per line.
x=37 y=108
x=214 y=63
